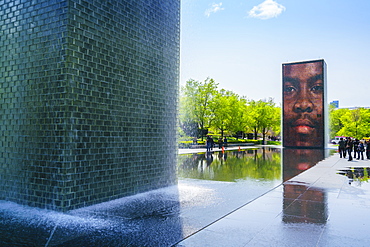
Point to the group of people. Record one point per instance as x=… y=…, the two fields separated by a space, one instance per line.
x=210 y=143
x=358 y=147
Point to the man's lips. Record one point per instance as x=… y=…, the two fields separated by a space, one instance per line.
x=303 y=122
x=303 y=126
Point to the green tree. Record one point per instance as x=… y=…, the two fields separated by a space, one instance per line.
x=263 y=115
x=196 y=98
x=365 y=124
x=226 y=111
x=335 y=122
x=203 y=107
x=238 y=113
x=274 y=125
x=355 y=123
x=251 y=118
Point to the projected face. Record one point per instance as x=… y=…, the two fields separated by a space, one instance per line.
x=303 y=95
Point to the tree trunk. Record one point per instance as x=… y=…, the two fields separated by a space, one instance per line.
x=255 y=134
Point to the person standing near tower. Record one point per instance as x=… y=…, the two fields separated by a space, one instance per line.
x=342 y=148
x=349 y=148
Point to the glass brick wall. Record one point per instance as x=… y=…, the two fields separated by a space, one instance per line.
x=88 y=99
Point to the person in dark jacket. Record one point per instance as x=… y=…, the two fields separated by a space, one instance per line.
x=349 y=148
x=209 y=144
x=360 y=150
x=356 y=142
x=220 y=142
x=342 y=148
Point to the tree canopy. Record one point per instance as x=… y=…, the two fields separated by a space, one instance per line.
x=350 y=122
x=204 y=107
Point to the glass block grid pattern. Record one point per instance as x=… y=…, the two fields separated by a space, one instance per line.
x=88 y=99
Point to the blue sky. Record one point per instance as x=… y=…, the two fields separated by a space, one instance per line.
x=242 y=44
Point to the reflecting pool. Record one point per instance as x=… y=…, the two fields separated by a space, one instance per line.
x=232 y=166
x=210 y=186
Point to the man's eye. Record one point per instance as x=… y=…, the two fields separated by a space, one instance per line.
x=317 y=88
x=289 y=89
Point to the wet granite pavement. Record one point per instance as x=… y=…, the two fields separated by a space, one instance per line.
x=318 y=207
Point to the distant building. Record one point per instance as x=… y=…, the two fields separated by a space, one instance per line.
x=335 y=103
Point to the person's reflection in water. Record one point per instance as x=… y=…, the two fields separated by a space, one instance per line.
x=297 y=160
x=220 y=155
x=209 y=158
x=302 y=204
x=350 y=176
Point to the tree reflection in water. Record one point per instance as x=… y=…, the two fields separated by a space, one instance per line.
x=231 y=166
x=359 y=175
x=301 y=202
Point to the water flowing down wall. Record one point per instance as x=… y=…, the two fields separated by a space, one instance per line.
x=88 y=100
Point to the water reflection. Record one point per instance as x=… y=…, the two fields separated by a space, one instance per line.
x=164 y=217
x=296 y=161
x=302 y=203
x=359 y=175
x=232 y=166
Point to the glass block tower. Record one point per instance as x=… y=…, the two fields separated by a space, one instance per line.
x=88 y=99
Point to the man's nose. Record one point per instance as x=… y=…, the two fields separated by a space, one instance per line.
x=303 y=105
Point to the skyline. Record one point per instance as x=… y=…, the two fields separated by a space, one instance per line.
x=242 y=44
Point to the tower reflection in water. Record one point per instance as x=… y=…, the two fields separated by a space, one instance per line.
x=302 y=203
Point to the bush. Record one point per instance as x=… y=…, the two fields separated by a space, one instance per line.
x=273 y=143
x=187 y=143
x=254 y=141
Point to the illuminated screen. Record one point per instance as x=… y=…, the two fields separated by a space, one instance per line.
x=304 y=99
